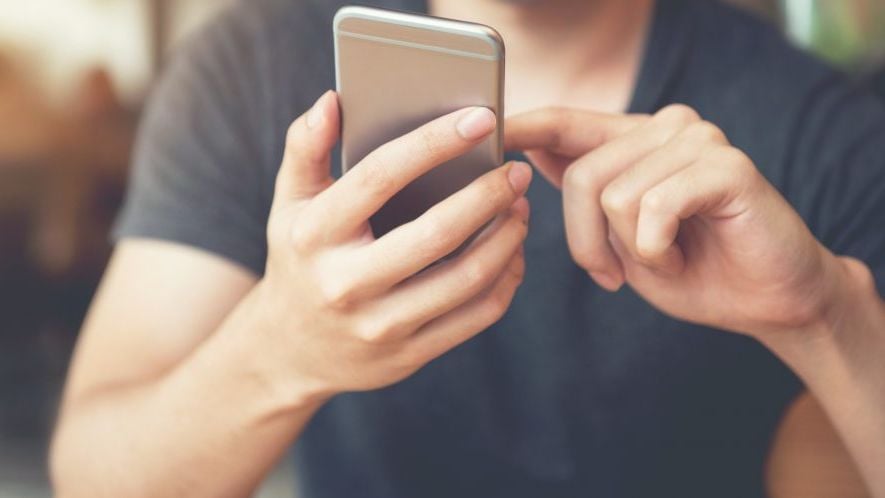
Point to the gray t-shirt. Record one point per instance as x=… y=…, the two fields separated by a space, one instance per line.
x=576 y=391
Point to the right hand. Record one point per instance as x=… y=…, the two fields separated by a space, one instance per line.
x=342 y=311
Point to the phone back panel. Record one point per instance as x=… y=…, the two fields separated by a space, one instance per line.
x=397 y=71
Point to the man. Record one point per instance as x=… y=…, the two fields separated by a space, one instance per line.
x=208 y=353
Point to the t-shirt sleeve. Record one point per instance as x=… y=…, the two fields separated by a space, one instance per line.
x=196 y=176
x=839 y=176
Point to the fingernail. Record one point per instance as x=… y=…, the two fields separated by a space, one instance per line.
x=315 y=114
x=476 y=124
x=607 y=281
x=519 y=175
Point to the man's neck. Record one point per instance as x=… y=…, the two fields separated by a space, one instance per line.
x=578 y=53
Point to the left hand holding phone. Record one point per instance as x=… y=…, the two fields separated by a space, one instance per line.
x=345 y=311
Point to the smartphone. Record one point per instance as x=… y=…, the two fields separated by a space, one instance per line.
x=396 y=71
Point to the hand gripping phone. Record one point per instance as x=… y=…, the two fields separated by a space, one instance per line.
x=396 y=71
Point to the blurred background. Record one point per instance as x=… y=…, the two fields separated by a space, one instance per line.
x=73 y=78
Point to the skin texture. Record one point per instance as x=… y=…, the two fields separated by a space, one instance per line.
x=588 y=59
x=359 y=306
x=666 y=205
x=336 y=312
x=652 y=179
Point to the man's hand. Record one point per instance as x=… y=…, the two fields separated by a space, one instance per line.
x=667 y=205
x=169 y=381
x=343 y=311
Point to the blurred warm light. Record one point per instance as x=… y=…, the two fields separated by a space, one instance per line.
x=850 y=33
x=59 y=40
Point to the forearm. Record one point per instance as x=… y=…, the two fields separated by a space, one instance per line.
x=212 y=427
x=841 y=359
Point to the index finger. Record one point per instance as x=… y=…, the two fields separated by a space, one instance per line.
x=364 y=189
x=568 y=132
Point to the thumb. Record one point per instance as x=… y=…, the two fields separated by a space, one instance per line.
x=305 y=170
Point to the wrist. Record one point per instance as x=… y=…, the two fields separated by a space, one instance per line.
x=847 y=292
x=268 y=363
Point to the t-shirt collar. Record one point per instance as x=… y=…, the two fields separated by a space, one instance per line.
x=663 y=58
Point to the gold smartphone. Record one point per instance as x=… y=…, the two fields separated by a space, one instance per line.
x=396 y=71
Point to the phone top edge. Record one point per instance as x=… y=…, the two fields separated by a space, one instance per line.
x=422 y=21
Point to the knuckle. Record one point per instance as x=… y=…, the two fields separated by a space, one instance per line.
x=500 y=303
x=571 y=178
x=688 y=147
x=474 y=275
x=588 y=254
x=644 y=254
x=653 y=201
x=436 y=235
x=494 y=307
x=616 y=200
x=678 y=113
x=375 y=177
x=633 y=254
x=560 y=116
x=369 y=332
x=337 y=293
x=582 y=176
x=588 y=261
x=860 y=272
x=706 y=131
x=290 y=231
x=302 y=238
x=378 y=331
x=396 y=327
x=736 y=163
